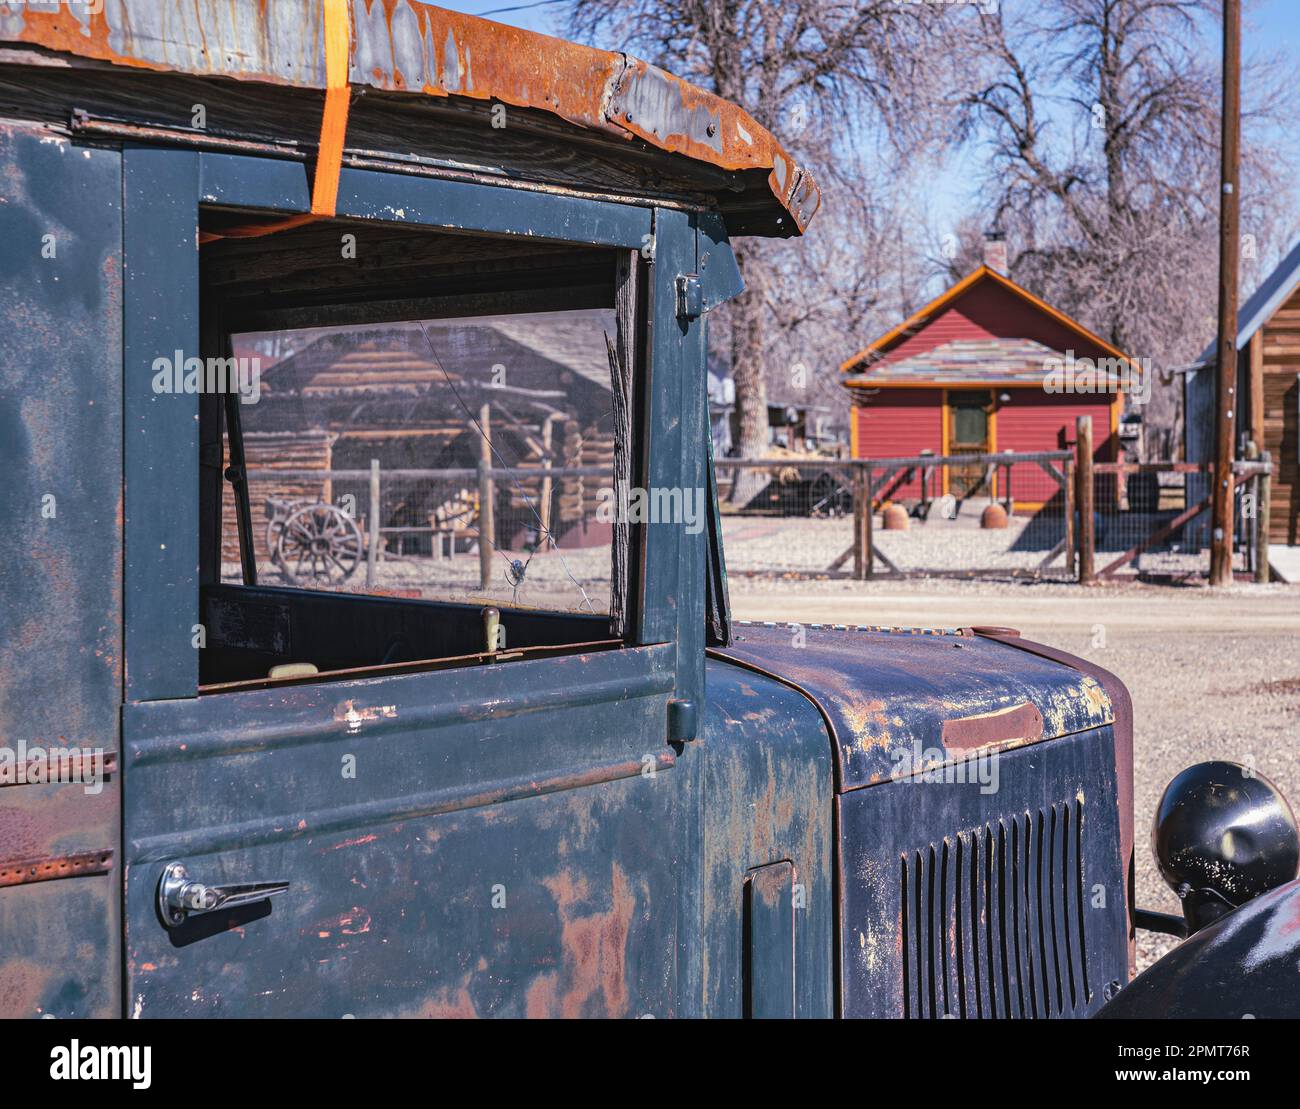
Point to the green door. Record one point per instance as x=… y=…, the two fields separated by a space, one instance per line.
x=968 y=433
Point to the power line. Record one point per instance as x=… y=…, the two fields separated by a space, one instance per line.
x=521 y=7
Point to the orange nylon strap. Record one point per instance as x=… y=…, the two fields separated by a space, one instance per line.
x=255 y=230
x=334 y=122
x=333 y=128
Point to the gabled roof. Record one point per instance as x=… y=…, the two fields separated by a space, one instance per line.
x=1272 y=293
x=394 y=361
x=862 y=362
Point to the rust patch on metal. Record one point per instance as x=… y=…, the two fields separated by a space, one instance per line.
x=406 y=46
x=595 y=951
x=348 y=713
x=21 y=872
x=868 y=719
x=450 y=1003
x=1018 y=724
x=22 y=986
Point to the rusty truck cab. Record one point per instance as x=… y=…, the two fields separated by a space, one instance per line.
x=555 y=781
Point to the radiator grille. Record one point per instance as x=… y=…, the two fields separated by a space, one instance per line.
x=994 y=919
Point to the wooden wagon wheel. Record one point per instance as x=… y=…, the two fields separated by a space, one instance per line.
x=274 y=526
x=319 y=542
x=277 y=511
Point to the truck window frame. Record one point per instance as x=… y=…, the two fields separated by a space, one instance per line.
x=163 y=192
x=227 y=310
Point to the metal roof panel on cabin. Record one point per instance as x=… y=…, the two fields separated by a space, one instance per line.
x=416 y=49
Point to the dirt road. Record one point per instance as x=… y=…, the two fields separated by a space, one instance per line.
x=1214 y=674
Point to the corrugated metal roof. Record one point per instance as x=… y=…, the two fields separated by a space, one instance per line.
x=406 y=46
x=1272 y=293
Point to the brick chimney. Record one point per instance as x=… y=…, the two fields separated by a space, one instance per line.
x=995 y=251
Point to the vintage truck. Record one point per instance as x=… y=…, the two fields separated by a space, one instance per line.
x=226 y=795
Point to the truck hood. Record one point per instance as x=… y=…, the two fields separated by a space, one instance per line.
x=904 y=701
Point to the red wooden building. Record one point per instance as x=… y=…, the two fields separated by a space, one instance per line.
x=985 y=367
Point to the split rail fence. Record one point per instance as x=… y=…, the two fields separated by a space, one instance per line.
x=1068 y=517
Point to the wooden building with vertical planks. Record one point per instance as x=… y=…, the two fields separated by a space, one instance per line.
x=1268 y=385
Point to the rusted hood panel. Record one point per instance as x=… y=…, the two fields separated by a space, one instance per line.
x=900 y=702
x=407 y=46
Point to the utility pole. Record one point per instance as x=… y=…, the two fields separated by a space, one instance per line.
x=1229 y=249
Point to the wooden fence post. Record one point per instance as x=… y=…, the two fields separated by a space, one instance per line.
x=862 y=522
x=486 y=499
x=1087 y=521
x=1069 y=516
x=544 y=508
x=859 y=560
x=868 y=502
x=1263 y=512
x=1250 y=524
x=372 y=555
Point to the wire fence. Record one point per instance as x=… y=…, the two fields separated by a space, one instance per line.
x=1153 y=520
x=968 y=515
x=1008 y=515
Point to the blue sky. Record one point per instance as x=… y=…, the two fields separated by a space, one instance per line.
x=1268 y=26
x=524 y=13
x=1274 y=23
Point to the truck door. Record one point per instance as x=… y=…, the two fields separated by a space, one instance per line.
x=404 y=689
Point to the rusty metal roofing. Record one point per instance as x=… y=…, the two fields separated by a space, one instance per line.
x=410 y=47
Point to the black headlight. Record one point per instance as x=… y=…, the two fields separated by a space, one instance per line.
x=1223 y=834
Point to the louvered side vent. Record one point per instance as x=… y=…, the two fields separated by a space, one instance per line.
x=994 y=920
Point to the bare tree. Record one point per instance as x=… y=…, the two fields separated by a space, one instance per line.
x=839 y=82
x=1100 y=119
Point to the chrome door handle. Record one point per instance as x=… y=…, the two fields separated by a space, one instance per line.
x=178 y=895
